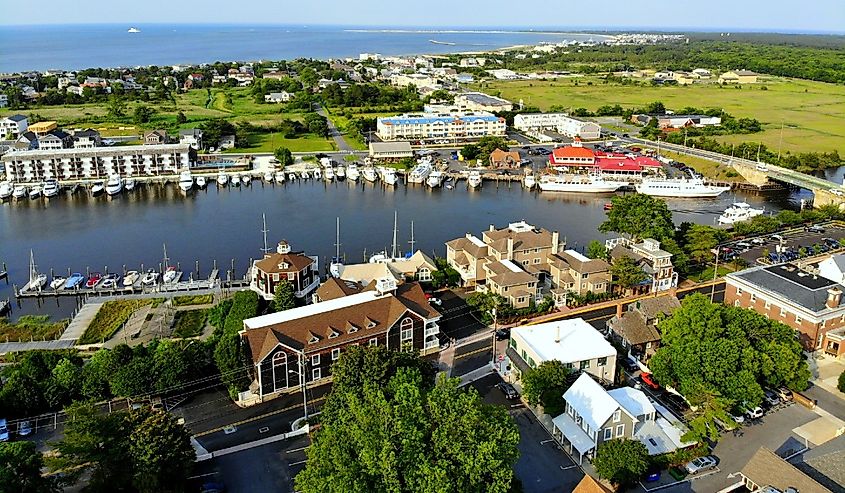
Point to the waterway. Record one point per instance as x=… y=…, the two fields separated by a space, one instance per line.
x=80 y=233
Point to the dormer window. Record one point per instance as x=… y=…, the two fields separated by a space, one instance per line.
x=314 y=339
x=283 y=265
x=353 y=329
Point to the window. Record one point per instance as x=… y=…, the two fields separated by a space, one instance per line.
x=424 y=274
x=797 y=319
x=570 y=409
x=315 y=360
x=617 y=415
x=536 y=261
x=335 y=353
x=275 y=276
x=291 y=276
x=406 y=330
x=315 y=374
x=783 y=312
x=648 y=345
x=521 y=299
x=602 y=361
x=738 y=291
x=525 y=262
x=620 y=430
x=585 y=364
x=608 y=433
x=736 y=302
x=767 y=305
x=374 y=342
x=753 y=297
x=513 y=344
x=371 y=324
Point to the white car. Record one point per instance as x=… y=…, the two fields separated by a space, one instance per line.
x=701 y=464
x=754 y=413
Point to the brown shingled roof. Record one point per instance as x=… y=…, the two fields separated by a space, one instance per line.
x=296 y=262
x=503 y=276
x=632 y=327
x=590 y=267
x=335 y=288
x=590 y=485
x=767 y=469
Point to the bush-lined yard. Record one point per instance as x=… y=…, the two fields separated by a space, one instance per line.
x=111 y=316
x=189 y=323
x=31 y=327
x=189 y=300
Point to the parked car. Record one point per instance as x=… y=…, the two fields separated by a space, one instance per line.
x=629 y=364
x=776 y=237
x=814 y=229
x=701 y=464
x=507 y=389
x=758 y=241
x=24 y=428
x=4 y=431
x=503 y=334
x=648 y=380
x=770 y=397
x=743 y=245
x=738 y=418
x=754 y=413
x=785 y=394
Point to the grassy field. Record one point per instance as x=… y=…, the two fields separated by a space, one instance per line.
x=234 y=104
x=341 y=121
x=31 y=327
x=189 y=300
x=812 y=113
x=189 y=323
x=111 y=316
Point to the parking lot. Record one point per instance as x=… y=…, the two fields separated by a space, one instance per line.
x=752 y=248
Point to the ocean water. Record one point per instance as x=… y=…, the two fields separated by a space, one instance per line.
x=84 y=46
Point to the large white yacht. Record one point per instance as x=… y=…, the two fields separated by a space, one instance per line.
x=369 y=174
x=352 y=172
x=581 y=183
x=435 y=179
x=51 y=188
x=114 y=185
x=186 y=181
x=738 y=212
x=5 y=190
x=420 y=172
x=388 y=176
x=474 y=179
x=679 y=187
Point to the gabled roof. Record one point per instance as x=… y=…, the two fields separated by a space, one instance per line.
x=591 y=401
x=295 y=262
x=475 y=248
x=335 y=288
x=767 y=469
x=506 y=273
x=826 y=464
x=579 y=263
x=633 y=328
x=660 y=305
x=590 y=485
x=632 y=400
x=573 y=151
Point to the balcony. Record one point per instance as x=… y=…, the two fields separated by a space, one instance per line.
x=431 y=329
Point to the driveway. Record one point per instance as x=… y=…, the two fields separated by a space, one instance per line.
x=334 y=133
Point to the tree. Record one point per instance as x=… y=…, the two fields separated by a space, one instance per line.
x=317 y=124
x=142 y=114
x=700 y=239
x=387 y=428
x=283 y=156
x=841 y=383
x=181 y=118
x=626 y=273
x=20 y=469
x=161 y=451
x=622 y=462
x=284 y=299
x=639 y=216
x=545 y=385
x=470 y=152
x=597 y=250
x=488 y=305
x=116 y=107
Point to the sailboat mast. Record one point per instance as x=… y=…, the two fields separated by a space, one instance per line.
x=337 y=239
x=32 y=270
x=394 y=252
x=264 y=231
x=412 y=242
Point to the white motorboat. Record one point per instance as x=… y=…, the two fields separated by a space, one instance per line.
x=19 y=192
x=280 y=177
x=150 y=278
x=529 y=182
x=352 y=172
x=388 y=176
x=292 y=176
x=186 y=181
x=51 y=188
x=474 y=179
x=171 y=275
x=222 y=179
x=236 y=181
x=578 y=183
x=317 y=174
x=681 y=188
x=201 y=182
x=133 y=30
x=114 y=185
x=420 y=172
x=268 y=177
x=435 y=179
x=370 y=174
x=97 y=188
x=131 y=278
x=304 y=175
x=246 y=180
x=35 y=192
x=129 y=184
x=328 y=173
x=340 y=172
x=738 y=212
x=5 y=190
x=57 y=283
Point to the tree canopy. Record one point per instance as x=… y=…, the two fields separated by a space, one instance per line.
x=596 y=250
x=20 y=469
x=283 y=298
x=639 y=216
x=622 y=462
x=283 y=156
x=387 y=426
x=626 y=273
x=727 y=351
x=545 y=385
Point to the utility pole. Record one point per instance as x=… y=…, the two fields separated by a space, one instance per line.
x=715 y=273
x=304 y=386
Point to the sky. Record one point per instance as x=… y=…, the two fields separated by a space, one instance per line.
x=710 y=15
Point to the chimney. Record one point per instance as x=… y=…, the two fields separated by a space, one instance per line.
x=492 y=228
x=834 y=295
x=510 y=248
x=555 y=241
x=557 y=335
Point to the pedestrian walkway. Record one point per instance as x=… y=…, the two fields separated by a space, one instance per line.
x=14 y=347
x=80 y=322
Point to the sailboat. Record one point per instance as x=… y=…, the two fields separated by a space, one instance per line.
x=382 y=256
x=337 y=263
x=36 y=280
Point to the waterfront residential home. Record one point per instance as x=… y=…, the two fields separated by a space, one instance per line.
x=468 y=255
x=572 y=272
x=155 y=137
x=738 y=77
x=12 y=126
x=55 y=139
x=803 y=300
x=504 y=159
x=636 y=328
x=594 y=415
x=191 y=137
x=573 y=342
x=300 y=270
x=509 y=281
x=278 y=97
x=86 y=139
x=418 y=266
x=656 y=263
x=524 y=244
x=766 y=472
x=297 y=347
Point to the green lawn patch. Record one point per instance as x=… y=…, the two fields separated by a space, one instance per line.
x=198 y=299
x=31 y=327
x=189 y=323
x=270 y=142
x=111 y=316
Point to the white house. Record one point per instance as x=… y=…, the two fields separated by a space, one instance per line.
x=573 y=342
x=192 y=137
x=278 y=97
x=12 y=126
x=557 y=122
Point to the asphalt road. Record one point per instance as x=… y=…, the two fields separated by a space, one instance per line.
x=458 y=321
x=334 y=133
x=472 y=356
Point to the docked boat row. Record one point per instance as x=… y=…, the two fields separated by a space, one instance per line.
x=693 y=187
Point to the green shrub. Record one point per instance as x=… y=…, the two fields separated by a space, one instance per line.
x=111 y=316
x=841 y=384
x=199 y=299
x=189 y=323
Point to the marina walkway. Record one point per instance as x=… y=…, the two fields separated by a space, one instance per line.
x=13 y=347
x=80 y=322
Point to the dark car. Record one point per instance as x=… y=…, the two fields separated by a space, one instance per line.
x=213 y=487
x=629 y=365
x=503 y=334
x=507 y=389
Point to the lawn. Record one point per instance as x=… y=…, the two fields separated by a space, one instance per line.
x=812 y=113
x=111 y=316
x=199 y=299
x=341 y=121
x=269 y=143
x=31 y=327
x=189 y=323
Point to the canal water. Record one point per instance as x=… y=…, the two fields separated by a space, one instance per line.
x=82 y=233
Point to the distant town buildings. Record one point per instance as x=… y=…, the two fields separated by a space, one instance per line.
x=478 y=101
x=738 y=77
x=191 y=137
x=12 y=126
x=536 y=123
x=391 y=150
x=577 y=156
x=278 y=97
x=452 y=126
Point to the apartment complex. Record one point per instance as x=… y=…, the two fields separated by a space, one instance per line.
x=297 y=347
x=509 y=261
x=452 y=126
x=656 y=263
x=557 y=122
x=572 y=272
x=805 y=301
x=478 y=101
x=98 y=162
